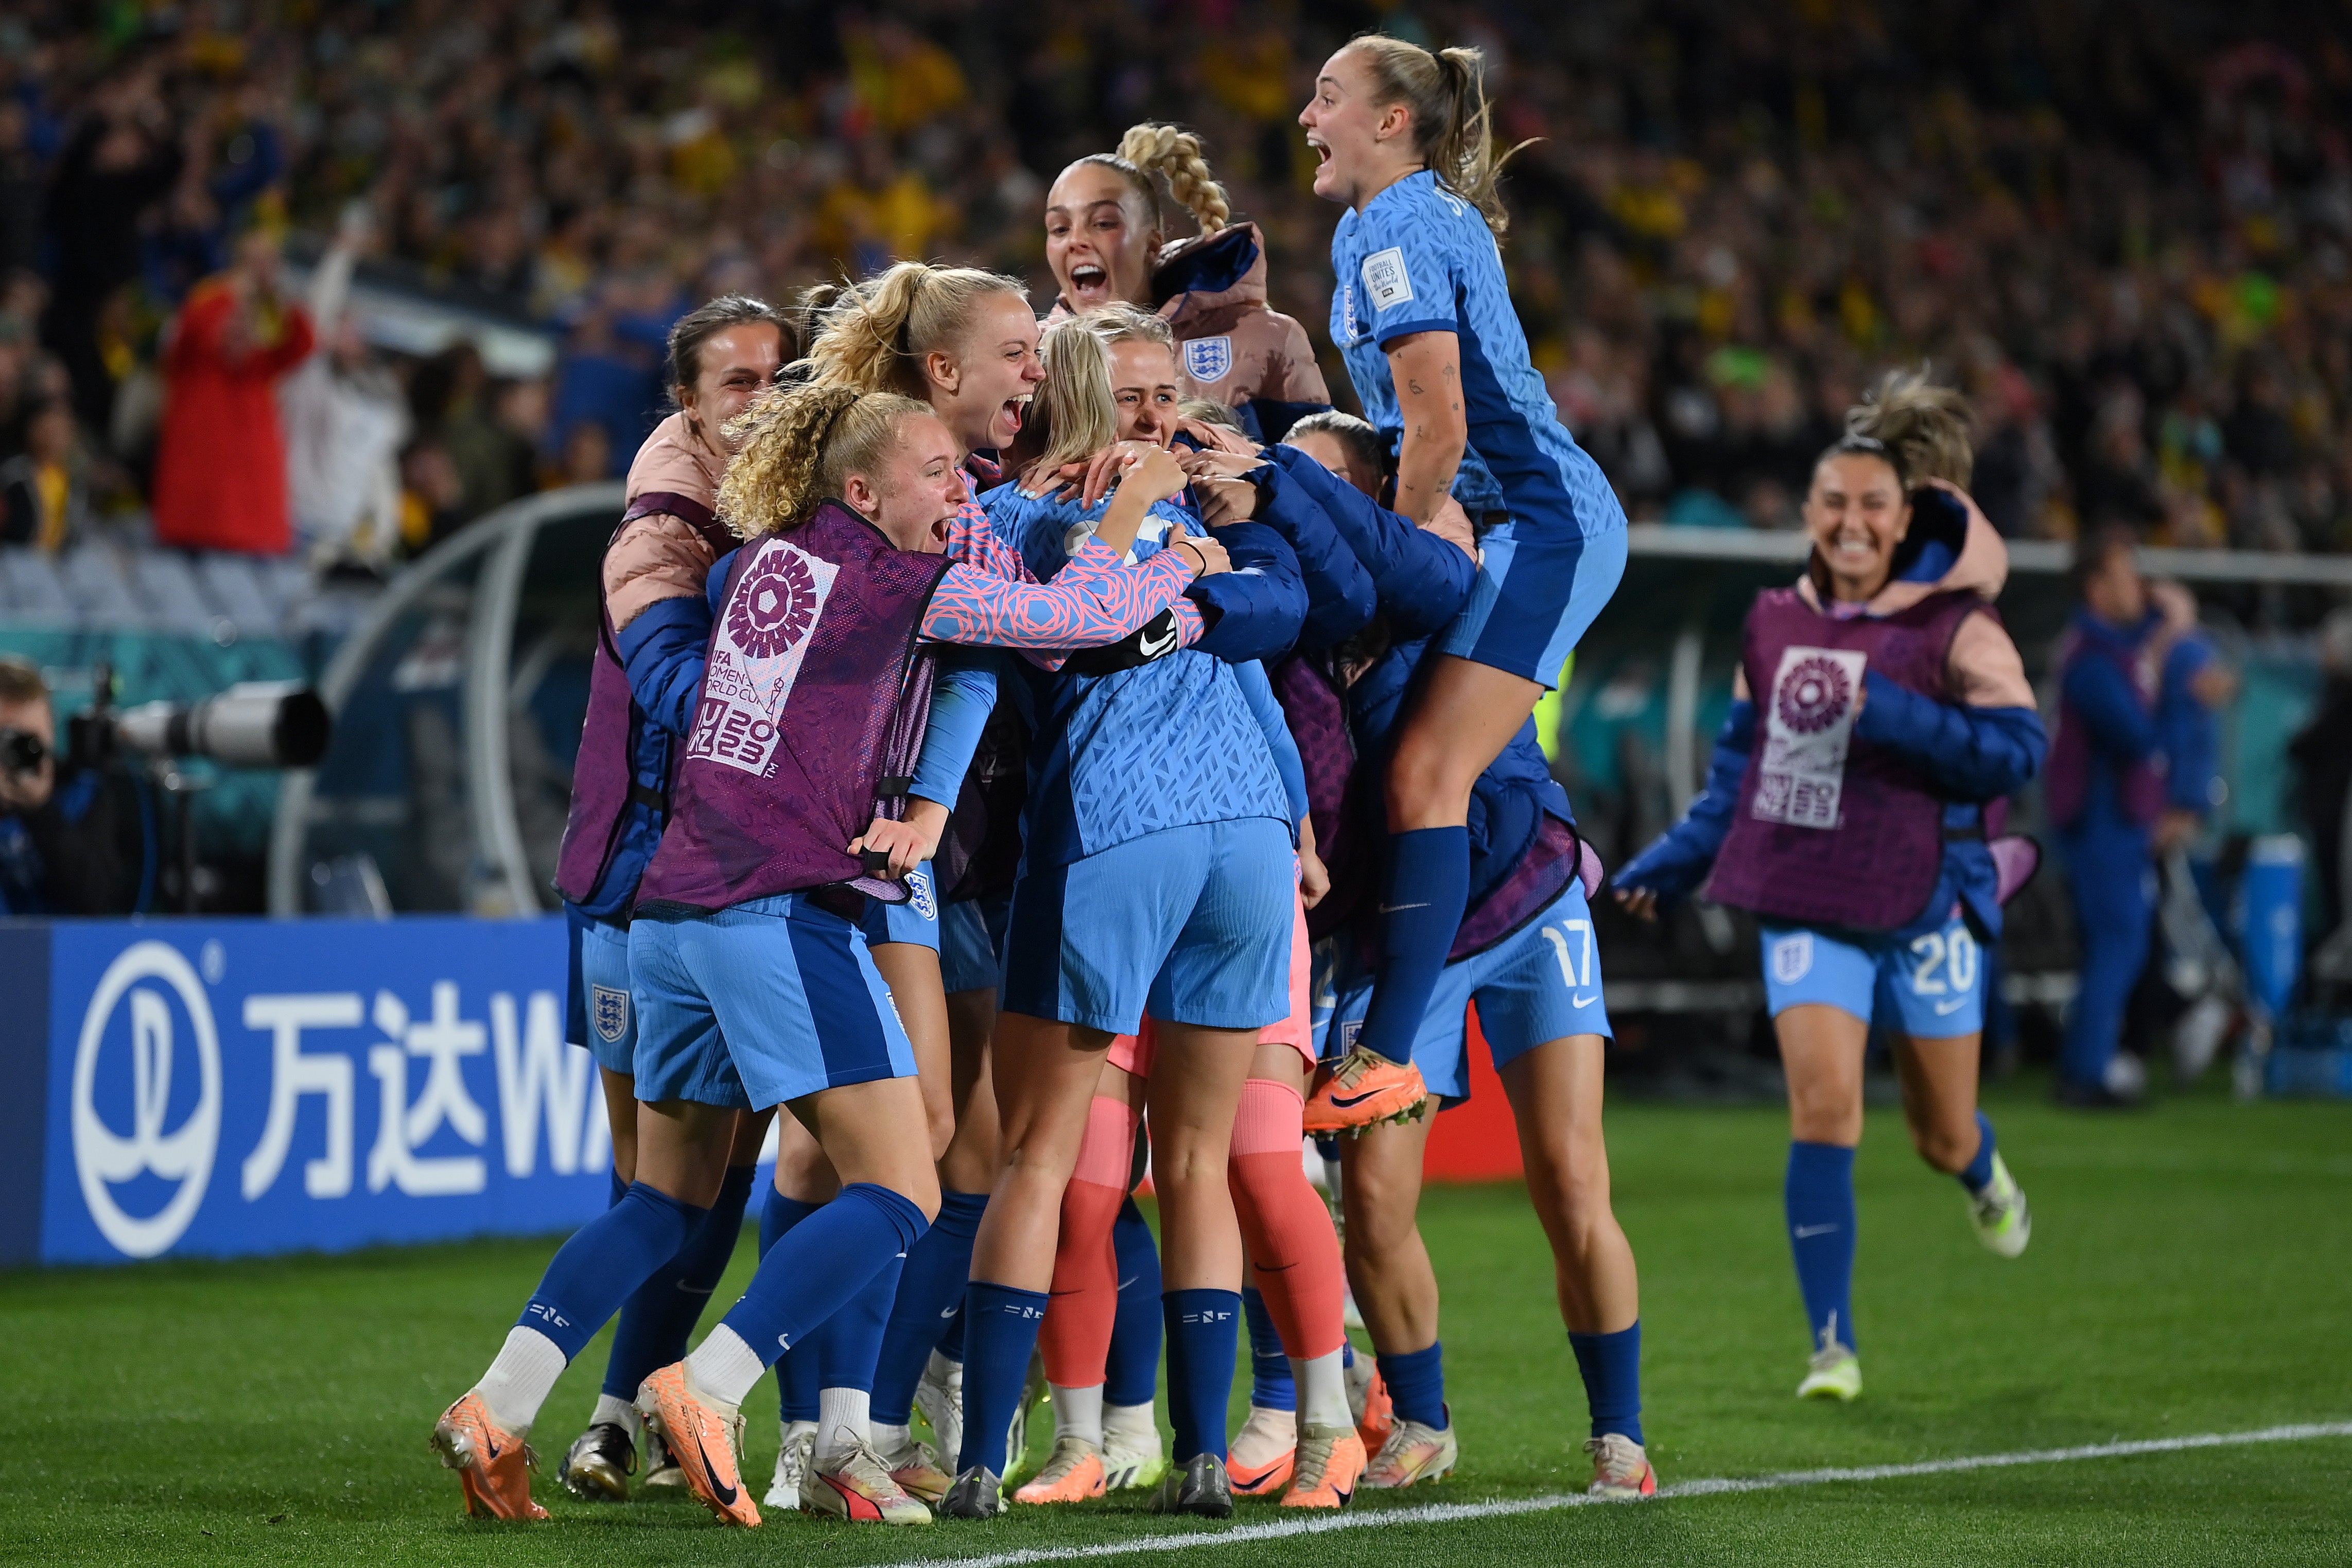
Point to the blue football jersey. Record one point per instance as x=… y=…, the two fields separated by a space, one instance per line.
x=1419 y=259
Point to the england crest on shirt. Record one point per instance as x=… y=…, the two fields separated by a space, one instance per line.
x=1208 y=359
x=608 y=1012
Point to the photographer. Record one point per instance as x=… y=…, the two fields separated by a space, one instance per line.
x=70 y=844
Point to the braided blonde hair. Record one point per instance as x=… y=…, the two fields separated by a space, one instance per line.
x=1929 y=425
x=796 y=448
x=1175 y=153
x=874 y=335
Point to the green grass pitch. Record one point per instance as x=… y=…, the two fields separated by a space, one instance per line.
x=2191 y=1272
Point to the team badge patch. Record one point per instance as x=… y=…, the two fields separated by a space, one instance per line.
x=1209 y=359
x=918 y=884
x=1792 y=957
x=1386 y=282
x=608 y=1013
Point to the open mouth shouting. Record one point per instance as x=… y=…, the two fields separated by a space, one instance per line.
x=1089 y=286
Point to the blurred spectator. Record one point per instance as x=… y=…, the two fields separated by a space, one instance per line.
x=220 y=472
x=587 y=455
x=68 y=838
x=453 y=399
x=346 y=420
x=21 y=183
x=45 y=487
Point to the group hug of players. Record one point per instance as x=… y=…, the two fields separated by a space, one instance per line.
x=1004 y=735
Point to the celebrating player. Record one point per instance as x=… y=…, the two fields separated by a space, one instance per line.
x=1880 y=714
x=1423 y=317
x=1106 y=244
x=644 y=683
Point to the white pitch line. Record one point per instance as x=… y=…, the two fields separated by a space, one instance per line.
x=1504 y=1508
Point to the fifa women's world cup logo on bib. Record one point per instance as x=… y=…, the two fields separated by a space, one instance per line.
x=763 y=636
x=1808 y=726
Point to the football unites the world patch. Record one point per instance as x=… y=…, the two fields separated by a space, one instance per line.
x=1209 y=359
x=1387 y=284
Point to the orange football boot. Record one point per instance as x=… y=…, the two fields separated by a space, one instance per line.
x=1361 y=1089
x=1331 y=1463
x=1073 y=1474
x=702 y=1434
x=1259 y=1459
x=1368 y=1395
x=493 y=1465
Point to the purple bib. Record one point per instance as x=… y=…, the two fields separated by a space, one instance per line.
x=2066 y=780
x=604 y=778
x=813 y=706
x=1830 y=829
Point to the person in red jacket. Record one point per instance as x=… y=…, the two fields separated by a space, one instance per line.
x=220 y=473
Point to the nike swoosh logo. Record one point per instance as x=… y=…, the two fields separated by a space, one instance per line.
x=491 y=1442
x=1583 y=1001
x=1945 y=1009
x=1342 y=1104
x=1398 y=909
x=726 y=1495
x=1803 y=1231
x=1150 y=649
x=947 y=1312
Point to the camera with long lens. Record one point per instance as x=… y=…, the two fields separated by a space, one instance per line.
x=252 y=724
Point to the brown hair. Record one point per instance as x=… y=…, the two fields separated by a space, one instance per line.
x=795 y=446
x=20 y=681
x=1360 y=440
x=875 y=333
x=1927 y=426
x=702 y=323
x=2095 y=550
x=1453 y=122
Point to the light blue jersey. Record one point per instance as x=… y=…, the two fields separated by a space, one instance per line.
x=1419 y=259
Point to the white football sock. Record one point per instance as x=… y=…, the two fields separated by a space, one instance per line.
x=842 y=1415
x=1131 y=1427
x=726 y=1368
x=618 y=1413
x=1078 y=1413
x=888 y=1440
x=521 y=1378
x=1322 y=1390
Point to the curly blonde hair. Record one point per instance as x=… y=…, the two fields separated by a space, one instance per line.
x=796 y=448
x=874 y=335
x=1931 y=427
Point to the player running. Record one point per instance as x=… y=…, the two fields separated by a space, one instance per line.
x=644 y=683
x=1850 y=809
x=1423 y=317
x=1525 y=954
x=1105 y=243
x=750 y=966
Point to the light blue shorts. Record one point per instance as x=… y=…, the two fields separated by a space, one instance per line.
x=1931 y=987
x=1190 y=924
x=916 y=920
x=971 y=943
x=603 y=1018
x=760 y=1005
x=1542 y=983
x=1535 y=596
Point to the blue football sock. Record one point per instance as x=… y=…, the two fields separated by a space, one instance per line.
x=1429 y=884
x=844 y=1346
x=950 y=1344
x=1416 y=1381
x=656 y=1320
x=796 y=1375
x=930 y=1290
x=1132 y=1372
x=1978 y=1175
x=1611 y=1365
x=1820 y=1201
x=1200 y=1347
x=1001 y=1324
x=606 y=1259
x=820 y=1264
x=1270 y=1384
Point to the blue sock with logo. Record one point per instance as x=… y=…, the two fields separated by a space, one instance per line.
x=1612 y=1368
x=1416 y=1381
x=608 y=1258
x=1428 y=887
x=930 y=1292
x=819 y=1265
x=1132 y=1372
x=657 y=1319
x=1271 y=1387
x=999 y=1335
x=1977 y=1173
x=1201 y=1340
x=1820 y=1201
x=950 y=1344
x=796 y=1375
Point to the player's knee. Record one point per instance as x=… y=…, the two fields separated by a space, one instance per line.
x=1945 y=1148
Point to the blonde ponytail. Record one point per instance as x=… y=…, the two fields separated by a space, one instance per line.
x=876 y=335
x=1453 y=122
x=1074 y=408
x=1176 y=153
x=1930 y=428
x=796 y=445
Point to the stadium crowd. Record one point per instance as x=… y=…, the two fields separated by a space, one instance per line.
x=1732 y=219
